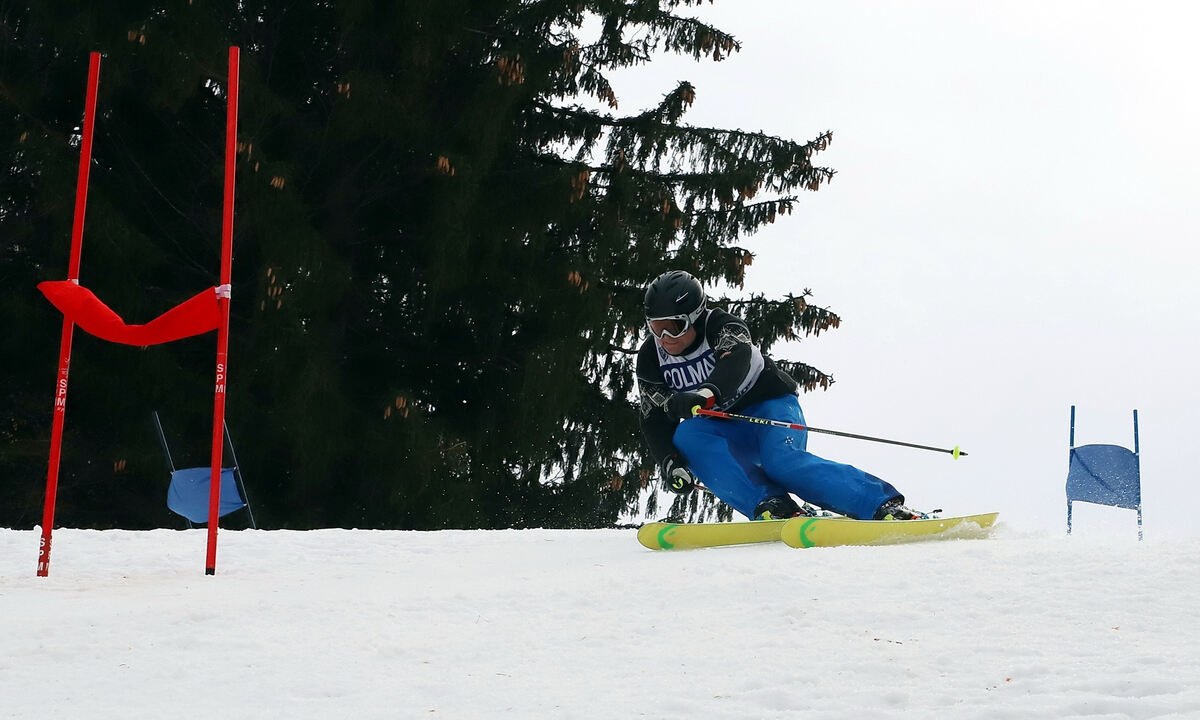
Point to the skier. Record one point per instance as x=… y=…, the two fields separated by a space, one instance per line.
x=704 y=357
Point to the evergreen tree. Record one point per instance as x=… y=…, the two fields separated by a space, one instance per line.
x=439 y=254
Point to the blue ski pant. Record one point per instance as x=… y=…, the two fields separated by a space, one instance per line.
x=743 y=463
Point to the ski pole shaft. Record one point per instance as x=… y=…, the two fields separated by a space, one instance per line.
x=955 y=451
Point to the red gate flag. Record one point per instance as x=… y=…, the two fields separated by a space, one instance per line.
x=81 y=307
x=205 y=311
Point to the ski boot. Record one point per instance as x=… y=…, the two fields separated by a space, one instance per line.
x=777 y=508
x=895 y=509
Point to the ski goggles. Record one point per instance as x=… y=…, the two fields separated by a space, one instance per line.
x=674 y=326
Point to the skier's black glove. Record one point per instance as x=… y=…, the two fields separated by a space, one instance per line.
x=681 y=403
x=677 y=476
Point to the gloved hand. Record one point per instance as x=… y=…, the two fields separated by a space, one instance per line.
x=676 y=475
x=681 y=403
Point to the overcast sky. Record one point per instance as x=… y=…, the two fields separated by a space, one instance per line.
x=1011 y=231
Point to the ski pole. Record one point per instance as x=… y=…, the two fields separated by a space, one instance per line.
x=955 y=451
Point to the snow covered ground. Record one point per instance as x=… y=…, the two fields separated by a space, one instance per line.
x=587 y=624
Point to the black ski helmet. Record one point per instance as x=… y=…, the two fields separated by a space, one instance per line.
x=675 y=294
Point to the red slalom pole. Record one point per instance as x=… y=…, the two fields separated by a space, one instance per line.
x=223 y=293
x=793 y=426
x=68 y=328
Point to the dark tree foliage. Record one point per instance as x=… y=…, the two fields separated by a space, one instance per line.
x=439 y=255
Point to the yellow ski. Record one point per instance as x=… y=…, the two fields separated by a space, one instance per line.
x=685 y=536
x=806 y=532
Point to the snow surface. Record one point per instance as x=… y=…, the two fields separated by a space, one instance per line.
x=588 y=624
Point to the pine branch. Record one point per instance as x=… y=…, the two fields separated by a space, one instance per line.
x=641 y=143
x=665 y=31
